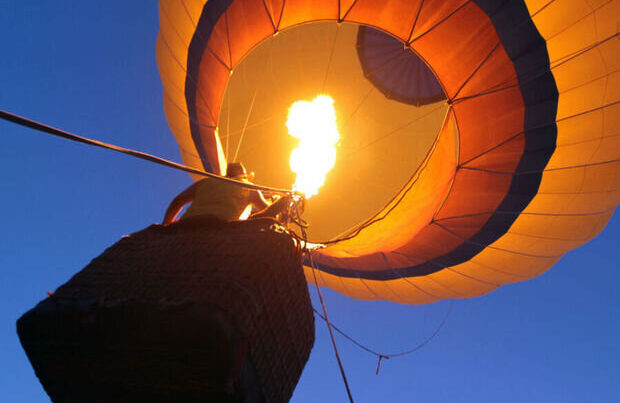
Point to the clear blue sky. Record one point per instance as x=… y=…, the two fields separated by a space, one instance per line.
x=89 y=67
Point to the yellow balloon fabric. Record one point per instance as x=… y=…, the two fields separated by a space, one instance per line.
x=450 y=200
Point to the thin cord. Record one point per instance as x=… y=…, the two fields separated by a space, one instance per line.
x=394 y=131
x=331 y=56
x=20 y=120
x=250 y=126
x=245 y=125
x=297 y=217
x=329 y=327
x=382 y=356
x=394 y=202
x=227 y=123
x=400 y=353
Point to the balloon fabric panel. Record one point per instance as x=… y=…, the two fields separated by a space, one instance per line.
x=536 y=164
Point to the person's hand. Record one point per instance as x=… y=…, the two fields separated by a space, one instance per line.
x=299 y=200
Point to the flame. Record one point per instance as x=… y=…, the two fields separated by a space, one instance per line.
x=314 y=124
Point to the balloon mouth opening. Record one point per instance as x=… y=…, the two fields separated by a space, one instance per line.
x=349 y=162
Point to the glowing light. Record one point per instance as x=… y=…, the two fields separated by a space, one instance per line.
x=246 y=213
x=314 y=124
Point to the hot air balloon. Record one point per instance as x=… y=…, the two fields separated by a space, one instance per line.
x=519 y=167
x=444 y=200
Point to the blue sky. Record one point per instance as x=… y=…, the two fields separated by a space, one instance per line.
x=89 y=67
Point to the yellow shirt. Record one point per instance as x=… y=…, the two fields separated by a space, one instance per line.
x=219 y=198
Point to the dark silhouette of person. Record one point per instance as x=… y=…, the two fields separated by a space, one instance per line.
x=225 y=201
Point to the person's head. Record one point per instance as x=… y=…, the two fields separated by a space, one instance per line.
x=236 y=170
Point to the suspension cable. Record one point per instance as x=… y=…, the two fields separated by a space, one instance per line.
x=22 y=121
x=382 y=356
x=297 y=218
x=245 y=125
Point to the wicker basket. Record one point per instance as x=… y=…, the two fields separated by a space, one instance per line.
x=158 y=317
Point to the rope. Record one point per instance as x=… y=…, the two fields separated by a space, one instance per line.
x=20 y=120
x=331 y=55
x=227 y=124
x=297 y=218
x=245 y=125
x=382 y=356
x=393 y=203
x=294 y=217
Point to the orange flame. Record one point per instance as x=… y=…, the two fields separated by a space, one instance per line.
x=314 y=124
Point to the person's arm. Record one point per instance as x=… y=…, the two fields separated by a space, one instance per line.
x=258 y=200
x=177 y=204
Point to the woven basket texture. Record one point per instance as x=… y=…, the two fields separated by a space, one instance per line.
x=158 y=315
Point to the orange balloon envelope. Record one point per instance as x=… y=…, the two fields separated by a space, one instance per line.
x=519 y=165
